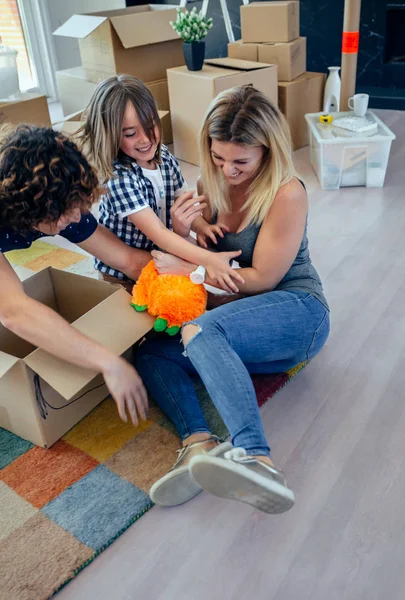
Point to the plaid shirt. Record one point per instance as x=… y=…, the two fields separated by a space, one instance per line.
x=129 y=191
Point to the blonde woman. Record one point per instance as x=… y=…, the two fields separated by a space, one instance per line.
x=283 y=318
x=146 y=192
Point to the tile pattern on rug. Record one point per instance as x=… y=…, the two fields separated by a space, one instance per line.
x=44 y=254
x=61 y=507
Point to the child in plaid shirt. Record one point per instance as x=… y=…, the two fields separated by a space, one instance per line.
x=145 y=187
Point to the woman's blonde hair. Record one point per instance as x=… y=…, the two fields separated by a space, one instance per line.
x=245 y=116
x=101 y=133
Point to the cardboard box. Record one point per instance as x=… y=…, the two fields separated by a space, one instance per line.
x=191 y=92
x=139 y=41
x=41 y=396
x=31 y=108
x=270 y=21
x=72 y=123
x=75 y=93
x=243 y=51
x=296 y=99
x=160 y=92
x=290 y=57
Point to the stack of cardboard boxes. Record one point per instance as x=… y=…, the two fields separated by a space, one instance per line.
x=137 y=41
x=270 y=34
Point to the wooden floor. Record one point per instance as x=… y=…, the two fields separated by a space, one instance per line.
x=338 y=430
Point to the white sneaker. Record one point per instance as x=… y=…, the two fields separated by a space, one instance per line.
x=178 y=486
x=237 y=476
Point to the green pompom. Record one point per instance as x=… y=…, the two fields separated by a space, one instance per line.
x=139 y=308
x=173 y=330
x=160 y=324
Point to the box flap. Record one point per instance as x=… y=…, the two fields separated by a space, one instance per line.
x=7 y=362
x=24 y=97
x=261 y=4
x=236 y=63
x=80 y=26
x=113 y=323
x=150 y=26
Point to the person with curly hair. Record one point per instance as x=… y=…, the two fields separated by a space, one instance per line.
x=47 y=188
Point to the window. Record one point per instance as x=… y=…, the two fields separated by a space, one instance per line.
x=24 y=26
x=12 y=34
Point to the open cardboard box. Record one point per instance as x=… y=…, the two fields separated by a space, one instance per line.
x=191 y=93
x=138 y=41
x=42 y=396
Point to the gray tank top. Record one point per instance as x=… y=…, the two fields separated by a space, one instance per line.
x=302 y=275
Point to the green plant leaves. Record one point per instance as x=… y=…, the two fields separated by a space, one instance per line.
x=191 y=26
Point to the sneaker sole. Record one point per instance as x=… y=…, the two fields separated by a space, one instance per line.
x=227 y=479
x=178 y=486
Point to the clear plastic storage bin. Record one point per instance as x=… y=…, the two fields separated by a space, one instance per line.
x=9 y=86
x=344 y=158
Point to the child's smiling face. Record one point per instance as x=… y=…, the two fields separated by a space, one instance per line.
x=134 y=141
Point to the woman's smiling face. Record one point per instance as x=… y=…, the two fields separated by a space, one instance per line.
x=239 y=164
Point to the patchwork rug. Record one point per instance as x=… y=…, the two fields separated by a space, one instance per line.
x=63 y=506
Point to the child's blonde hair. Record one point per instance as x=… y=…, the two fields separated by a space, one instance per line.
x=101 y=133
x=245 y=116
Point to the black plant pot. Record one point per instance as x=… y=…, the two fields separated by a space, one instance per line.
x=194 y=53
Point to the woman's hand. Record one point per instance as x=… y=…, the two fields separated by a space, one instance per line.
x=185 y=210
x=219 y=270
x=127 y=389
x=206 y=231
x=167 y=264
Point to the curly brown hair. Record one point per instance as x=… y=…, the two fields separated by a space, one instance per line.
x=42 y=176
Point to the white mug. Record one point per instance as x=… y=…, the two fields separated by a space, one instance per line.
x=359 y=104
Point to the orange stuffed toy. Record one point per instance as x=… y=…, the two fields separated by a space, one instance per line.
x=172 y=299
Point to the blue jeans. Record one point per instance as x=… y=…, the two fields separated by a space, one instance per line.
x=267 y=333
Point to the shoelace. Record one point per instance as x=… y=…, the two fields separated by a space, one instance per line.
x=181 y=451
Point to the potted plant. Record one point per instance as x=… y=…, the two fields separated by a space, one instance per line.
x=192 y=27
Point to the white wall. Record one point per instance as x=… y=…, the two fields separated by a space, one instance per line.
x=67 y=50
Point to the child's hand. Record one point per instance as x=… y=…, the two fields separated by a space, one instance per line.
x=185 y=210
x=205 y=231
x=167 y=264
x=220 y=271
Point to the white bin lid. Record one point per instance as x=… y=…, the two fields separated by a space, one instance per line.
x=327 y=133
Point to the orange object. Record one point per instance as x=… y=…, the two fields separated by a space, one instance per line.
x=172 y=299
x=350 y=42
